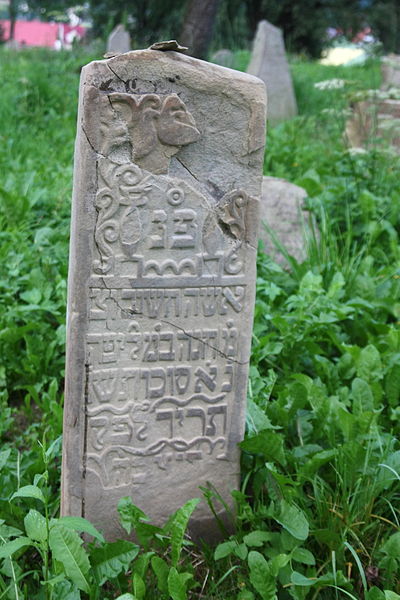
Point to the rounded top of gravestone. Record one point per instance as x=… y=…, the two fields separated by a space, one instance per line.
x=223 y=57
x=264 y=24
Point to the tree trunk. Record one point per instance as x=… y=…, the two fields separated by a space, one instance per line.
x=12 y=11
x=198 y=26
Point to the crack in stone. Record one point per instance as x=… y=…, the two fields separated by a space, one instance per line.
x=91 y=145
x=187 y=169
x=117 y=76
x=193 y=337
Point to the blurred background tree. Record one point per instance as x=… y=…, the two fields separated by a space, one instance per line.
x=214 y=24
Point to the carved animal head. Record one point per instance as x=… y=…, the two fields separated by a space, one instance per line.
x=158 y=126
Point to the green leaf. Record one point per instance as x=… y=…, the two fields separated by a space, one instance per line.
x=241 y=551
x=392 y=386
x=369 y=365
x=303 y=556
x=130 y=515
x=359 y=565
x=391 y=595
x=35 y=526
x=224 y=549
x=4 y=456
x=29 y=491
x=176 y=585
x=257 y=420
x=66 y=590
x=260 y=576
x=245 y=595
x=375 y=593
x=318 y=460
x=257 y=538
x=392 y=546
x=82 y=525
x=112 y=559
x=267 y=443
x=7 y=531
x=141 y=563
x=32 y=296
x=177 y=527
x=277 y=563
x=293 y=520
x=299 y=579
x=66 y=547
x=9 y=548
x=161 y=571
x=363 y=399
x=139 y=587
x=126 y=597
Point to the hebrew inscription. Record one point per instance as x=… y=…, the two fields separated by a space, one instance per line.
x=158 y=345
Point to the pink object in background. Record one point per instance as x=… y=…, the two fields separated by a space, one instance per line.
x=37 y=33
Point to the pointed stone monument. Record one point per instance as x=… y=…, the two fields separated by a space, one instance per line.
x=119 y=41
x=269 y=63
x=168 y=172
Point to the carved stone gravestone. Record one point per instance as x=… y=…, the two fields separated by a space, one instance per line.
x=168 y=163
x=119 y=40
x=269 y=63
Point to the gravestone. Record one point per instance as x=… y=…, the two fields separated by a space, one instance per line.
x=168 y=165
x=390 y=69
x=269 y=63
x=374 y=123
x=281 y=209
x=118 y=41
x=223 y=57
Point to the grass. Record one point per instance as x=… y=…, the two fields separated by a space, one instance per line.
x=318 y=512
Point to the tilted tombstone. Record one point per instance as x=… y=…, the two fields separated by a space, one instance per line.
x=119 y=40
x=269 y=63
x=168 y=165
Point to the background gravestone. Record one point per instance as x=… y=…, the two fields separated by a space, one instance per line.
x=269 y=63
x=390 y=69
x=168 y=166
x=223 y=57
x=119 y=40
x=281 y=209
x=374 y=123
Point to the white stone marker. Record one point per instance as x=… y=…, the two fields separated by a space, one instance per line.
x=119 y=40
x=168 y=163
x=269 y=63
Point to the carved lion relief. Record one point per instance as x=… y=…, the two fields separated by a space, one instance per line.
x=156 y=127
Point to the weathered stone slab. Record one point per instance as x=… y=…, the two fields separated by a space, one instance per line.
x=390 y=69
x=119 y=40
x=374 y=123
x=281 y=209
x=168 y=162
x=223 y=57
x=269 y=63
